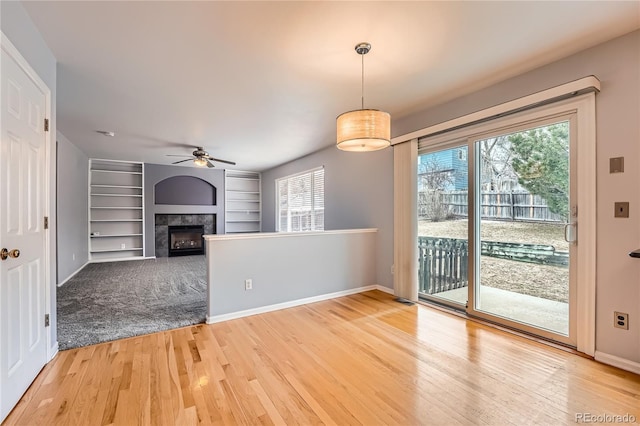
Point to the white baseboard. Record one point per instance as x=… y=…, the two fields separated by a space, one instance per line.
x=270 y=308
x=385 y=289
x=73 y=274
x=53 y=351
x=616 y=361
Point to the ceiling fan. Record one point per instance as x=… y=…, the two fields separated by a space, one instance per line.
x=200 y=158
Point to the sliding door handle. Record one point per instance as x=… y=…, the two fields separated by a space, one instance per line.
x=570 y=231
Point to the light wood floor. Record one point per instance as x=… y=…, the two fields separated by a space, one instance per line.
x=361 y=359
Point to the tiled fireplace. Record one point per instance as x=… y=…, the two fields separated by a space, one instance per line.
x=163 y=221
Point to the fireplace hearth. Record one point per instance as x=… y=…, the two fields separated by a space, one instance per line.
x=186 y=240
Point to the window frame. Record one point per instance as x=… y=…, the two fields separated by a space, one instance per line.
x=288 y=178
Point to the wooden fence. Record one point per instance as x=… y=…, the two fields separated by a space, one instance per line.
x=507 y=205
x=442 y=265
x=443 y=262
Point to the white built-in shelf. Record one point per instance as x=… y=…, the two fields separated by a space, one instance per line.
x=116 y=171
x=116 y=186
x=116 y=220
x=115 y=235
x=117 y=249
x=116 y=210
x=117 y=195
x=242 y=201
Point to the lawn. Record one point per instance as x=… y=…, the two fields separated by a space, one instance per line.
x=548 y=282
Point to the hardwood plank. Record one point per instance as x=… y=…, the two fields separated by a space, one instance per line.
x=361 y=359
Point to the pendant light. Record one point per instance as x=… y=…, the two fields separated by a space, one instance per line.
x=363 y=129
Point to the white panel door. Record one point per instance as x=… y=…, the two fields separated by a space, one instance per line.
x=23 y=342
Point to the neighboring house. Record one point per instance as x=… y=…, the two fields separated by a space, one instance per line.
x=448 y=167
x=359 y=192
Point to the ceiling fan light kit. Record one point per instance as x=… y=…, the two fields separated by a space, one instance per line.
x=200 y=158
x=363 y=129
x=200 y=162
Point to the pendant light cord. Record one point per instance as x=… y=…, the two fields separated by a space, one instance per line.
x=362 y=55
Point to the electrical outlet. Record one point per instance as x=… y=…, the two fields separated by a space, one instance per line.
x=393 y=269
x=621 y=320
x=122 y=246
x=73 y=256
x=248 y=284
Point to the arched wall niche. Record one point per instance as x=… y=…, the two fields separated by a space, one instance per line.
x=185 y=190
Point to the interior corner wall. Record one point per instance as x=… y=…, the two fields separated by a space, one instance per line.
x=154 y=173
x=358 y=190
x=73 y=216
x=617 y=64
x=17 y=26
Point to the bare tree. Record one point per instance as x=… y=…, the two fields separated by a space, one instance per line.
x=496 y=169
x=434 y=179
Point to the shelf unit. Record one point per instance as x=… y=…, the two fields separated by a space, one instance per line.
x=242 y=202
x=116 y=210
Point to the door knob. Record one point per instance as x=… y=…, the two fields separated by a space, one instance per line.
x=4 y=253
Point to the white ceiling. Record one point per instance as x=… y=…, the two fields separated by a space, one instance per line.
x=261 y=83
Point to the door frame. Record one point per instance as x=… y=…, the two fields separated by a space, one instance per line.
x=583 y=106
x=14 y=53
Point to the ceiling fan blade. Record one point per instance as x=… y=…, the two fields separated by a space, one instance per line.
x=222 y=161
x=177 y=155
x=182 y=161
x=209 y=164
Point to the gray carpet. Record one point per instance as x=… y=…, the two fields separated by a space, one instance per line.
x=108 y=301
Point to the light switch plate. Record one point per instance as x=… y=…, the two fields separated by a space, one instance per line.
x=616 y=165
x=621 y=209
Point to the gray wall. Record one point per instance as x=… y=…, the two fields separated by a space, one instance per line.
x=73 y=216
x=285 y=268
x=154 y=173
x=358 y=194
x=20 y=30
x=617 y=65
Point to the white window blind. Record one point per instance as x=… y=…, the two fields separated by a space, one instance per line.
x=301 y=202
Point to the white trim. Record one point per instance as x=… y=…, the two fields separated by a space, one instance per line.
x=248 y=236
x=73 y=274
x=293 y=303
x=53 y=350
x=385 y=289
x=616 y=361
x=525 y=102
x=143 y=223
x=587 y=207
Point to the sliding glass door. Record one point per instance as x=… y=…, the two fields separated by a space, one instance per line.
x=524 y=225
x=496 y=220
x=443 y=231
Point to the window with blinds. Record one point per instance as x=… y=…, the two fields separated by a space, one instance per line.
x=300 y=201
